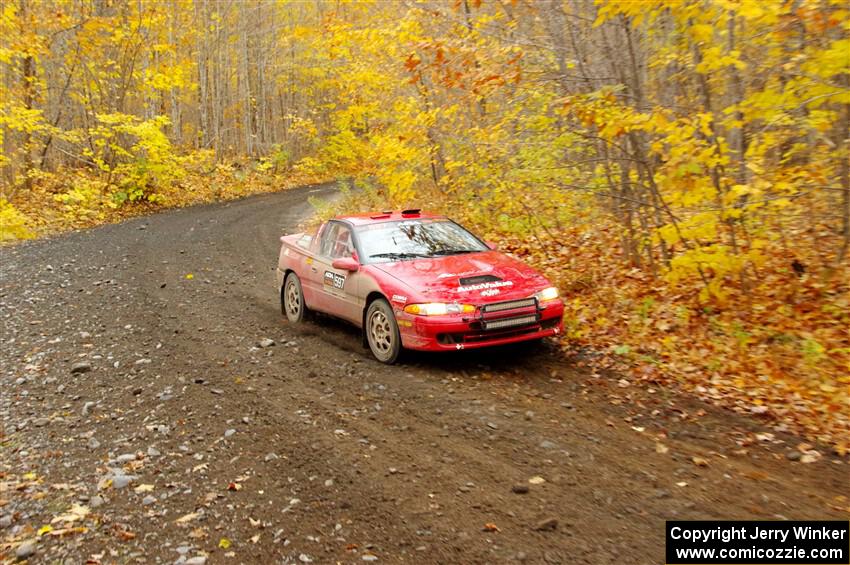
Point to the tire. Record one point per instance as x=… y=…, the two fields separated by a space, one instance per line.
x=292 y=300
x=382 y=332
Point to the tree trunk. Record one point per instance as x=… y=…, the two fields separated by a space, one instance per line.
x=28 y=89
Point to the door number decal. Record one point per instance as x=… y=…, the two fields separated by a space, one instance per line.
x=334 y=280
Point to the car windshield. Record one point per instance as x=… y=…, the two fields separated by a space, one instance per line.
x=413 y=239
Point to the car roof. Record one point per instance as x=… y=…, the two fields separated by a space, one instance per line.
x=366 y=218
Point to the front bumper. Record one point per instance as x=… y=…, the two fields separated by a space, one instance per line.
x=465 y=331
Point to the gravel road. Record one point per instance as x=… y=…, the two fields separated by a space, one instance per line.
x=142 y=421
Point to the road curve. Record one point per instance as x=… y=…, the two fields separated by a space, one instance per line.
x=129 y=355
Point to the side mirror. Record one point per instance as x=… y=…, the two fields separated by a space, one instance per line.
x=346 y=264
x=491 y=245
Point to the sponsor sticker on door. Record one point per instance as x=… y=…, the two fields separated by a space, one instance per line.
x=334 y=280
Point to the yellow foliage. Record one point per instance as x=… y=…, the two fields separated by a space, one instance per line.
x=13 y=224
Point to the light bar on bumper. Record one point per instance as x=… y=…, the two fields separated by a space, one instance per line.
x=504 y=323
x=510 y=305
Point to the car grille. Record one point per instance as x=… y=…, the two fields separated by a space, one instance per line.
x=504 y=323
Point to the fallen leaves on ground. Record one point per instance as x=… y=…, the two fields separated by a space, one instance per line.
x=77 y=512
x=779 y=351
x=42 y=210
x=699 y=461
x=187 y=518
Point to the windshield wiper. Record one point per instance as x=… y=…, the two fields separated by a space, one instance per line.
x=455 y=251
x=396 y=255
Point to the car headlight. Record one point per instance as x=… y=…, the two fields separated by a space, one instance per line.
x=548 y=293
x=438 y=309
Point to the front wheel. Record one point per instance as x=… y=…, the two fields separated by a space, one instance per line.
x=292 y=299
x=382 y=332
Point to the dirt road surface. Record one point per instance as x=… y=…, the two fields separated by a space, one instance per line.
x=143 y=422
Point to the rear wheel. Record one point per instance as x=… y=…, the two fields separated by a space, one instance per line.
x=292 y=299
x=382 y=332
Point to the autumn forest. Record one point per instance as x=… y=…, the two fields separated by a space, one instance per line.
x=681 y=169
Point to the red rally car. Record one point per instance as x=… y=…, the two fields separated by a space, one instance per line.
x=417 y=281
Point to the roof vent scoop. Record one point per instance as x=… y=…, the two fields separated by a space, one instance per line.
x=479 y=279
x=411 y=212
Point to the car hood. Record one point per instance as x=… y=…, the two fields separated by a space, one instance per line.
x=488 y=276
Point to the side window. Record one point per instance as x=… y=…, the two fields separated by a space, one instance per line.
x=342 y=245
x=328 y=239
x=312 y=242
